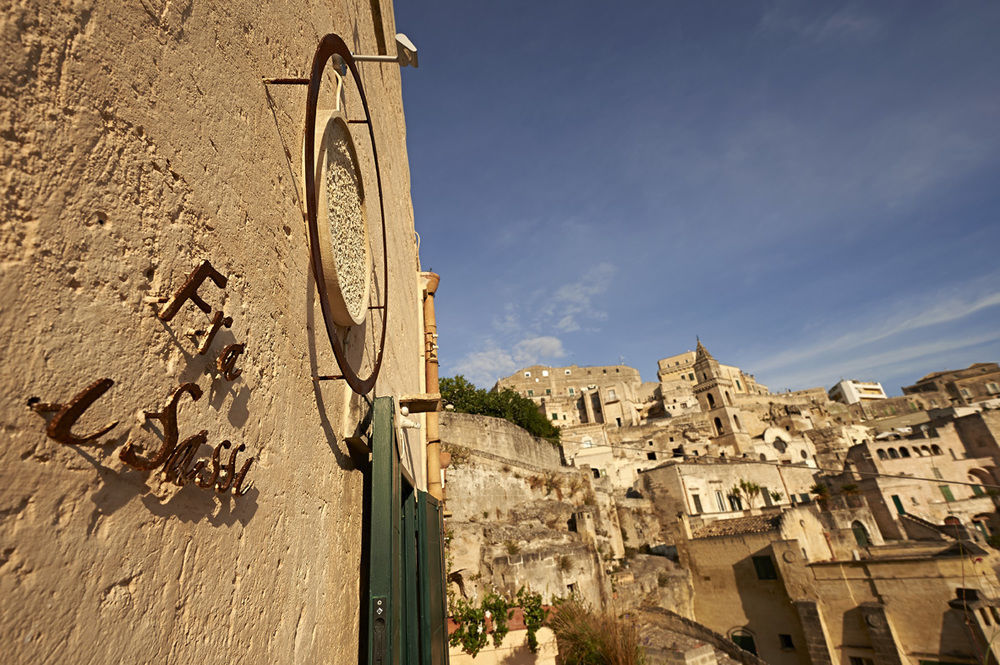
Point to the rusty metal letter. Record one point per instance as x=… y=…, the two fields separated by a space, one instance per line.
x=60 y=428
x=217 y=322
x=176 y=466
x=226 y=482
x=226 y=363
x=216 y=466
x=238 y=489
x=189 y=291
x=168 y=416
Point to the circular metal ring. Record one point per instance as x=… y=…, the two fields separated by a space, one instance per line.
x=329 y=46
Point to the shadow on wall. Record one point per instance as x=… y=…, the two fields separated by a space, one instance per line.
x=119 y=485
x=189 y=504
x=768 y=608
x=960 y=636
x=355 y=404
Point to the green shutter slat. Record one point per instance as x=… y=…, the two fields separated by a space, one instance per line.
x=411 y=598
x=383 y=584
x=433 y=606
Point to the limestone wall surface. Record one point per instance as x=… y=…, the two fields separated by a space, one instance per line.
x=136 y=141
x=498 y=437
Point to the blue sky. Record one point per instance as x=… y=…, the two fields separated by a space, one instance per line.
x=813 y=188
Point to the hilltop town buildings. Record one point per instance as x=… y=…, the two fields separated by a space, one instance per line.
x=804 y=529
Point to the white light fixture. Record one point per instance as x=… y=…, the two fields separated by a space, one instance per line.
x=406 y=53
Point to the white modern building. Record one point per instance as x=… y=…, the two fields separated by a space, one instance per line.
x=852 y=392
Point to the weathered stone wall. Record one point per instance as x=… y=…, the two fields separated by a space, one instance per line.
x=136 y=141
x=499 y=437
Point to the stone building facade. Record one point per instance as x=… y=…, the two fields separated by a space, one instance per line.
x=139 y=142
x=978 y=382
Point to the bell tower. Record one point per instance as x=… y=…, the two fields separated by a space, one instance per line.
x=714 y=391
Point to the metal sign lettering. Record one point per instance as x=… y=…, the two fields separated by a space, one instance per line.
x=174 y=457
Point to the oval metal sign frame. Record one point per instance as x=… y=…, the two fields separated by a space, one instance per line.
x=329 y=46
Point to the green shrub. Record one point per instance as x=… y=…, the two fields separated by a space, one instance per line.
x=506 y=403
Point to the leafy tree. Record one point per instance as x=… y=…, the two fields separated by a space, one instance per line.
x=508 y=404
x=746 y=490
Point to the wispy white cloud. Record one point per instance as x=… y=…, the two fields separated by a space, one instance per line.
x=870 y=366
x=939 y=308
x=486 y=366
x=534 y=322
x=847 y=23
x=572 y=305
x=532 y=350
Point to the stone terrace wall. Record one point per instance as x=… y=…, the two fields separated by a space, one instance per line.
x=499 y=438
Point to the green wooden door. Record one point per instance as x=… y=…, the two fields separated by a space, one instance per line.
x=406 y=621
x=434 y=622
x=384 y=538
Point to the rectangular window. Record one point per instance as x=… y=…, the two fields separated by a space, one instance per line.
x=691 y=377
x=548 y=391
x=899 y=505
x=765 y=567
x=545 y=372
x=977 y=490
x=611 y=394
x=697 y=503
x=946 y=493
x=651 y=456
x=855 y=660
x=720 y=501
x=572 y=391
x=785 y=641
x=530 y=393
x=555 y=416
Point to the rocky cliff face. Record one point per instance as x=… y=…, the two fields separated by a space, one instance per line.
x=519 y=517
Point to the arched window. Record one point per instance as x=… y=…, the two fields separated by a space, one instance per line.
x=917 y=450
x=893 y=454
x=729 y=400
x=926 y=450
x=718 y=426
x=763 y=457
x=743 y=638
x=904 y=451
x=860 y=534
x=936 y=449
x=711 y=401
x=737 y=421
x=881 y=453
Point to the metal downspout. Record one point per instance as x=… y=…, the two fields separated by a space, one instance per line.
x=434 y=487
